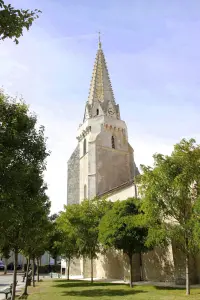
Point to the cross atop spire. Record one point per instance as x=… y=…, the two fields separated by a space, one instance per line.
x=99 y=40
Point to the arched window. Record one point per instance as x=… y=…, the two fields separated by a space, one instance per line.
x=113 y=142
x=85 y=191
x=84 y=147
x=97 y=112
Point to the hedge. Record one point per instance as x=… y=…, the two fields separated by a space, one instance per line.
x=47 y=269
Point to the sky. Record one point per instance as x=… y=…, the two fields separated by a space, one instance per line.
x=152 y=50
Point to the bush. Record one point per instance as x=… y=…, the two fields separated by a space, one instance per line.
x=45 y=269
x=49 y=268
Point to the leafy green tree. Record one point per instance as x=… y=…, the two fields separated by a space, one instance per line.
x=171 y=201
x=36 y=238
x=22 y=162
x=54 y=239
x=67 y=243
x=13 y=21
x=41 y=241
x=84 y=219
x=121 y=229
x=17 y=227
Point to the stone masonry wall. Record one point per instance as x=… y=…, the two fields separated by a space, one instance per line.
x=73 y=178
x=158 y=265
x=112 y=169
x=132 y=171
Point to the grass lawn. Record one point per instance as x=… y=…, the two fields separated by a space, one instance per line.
x=81 y=290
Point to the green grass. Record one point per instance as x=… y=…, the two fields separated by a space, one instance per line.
x=81 y=290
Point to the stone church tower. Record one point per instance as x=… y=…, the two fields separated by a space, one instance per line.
x=103 y=161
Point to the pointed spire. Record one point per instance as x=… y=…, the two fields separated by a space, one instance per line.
x=100 y=88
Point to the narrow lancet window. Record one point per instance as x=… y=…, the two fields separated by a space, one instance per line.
x=97 y=112
x=113 y=142
x=84 y=147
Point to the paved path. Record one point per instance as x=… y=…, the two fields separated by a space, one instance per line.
x=6 y=280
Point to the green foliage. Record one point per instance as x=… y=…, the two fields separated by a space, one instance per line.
x=23 y=201
x=22 y=162
x=171 y=193
x=46 y=269
x=54 y=239
x=79 y=224
x=5 y=250
x=36 y=240
x=85 y=219
x=120 y=228
x=67 y=243
x=13 y=21
x=171 y=198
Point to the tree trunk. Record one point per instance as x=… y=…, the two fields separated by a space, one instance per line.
x=92 y=271
x=38 y=275
x=27 y=266
x=6 y=266
x=187 y=272
x=135 y=189
x=33 y=272
x=26 y=282
x=131 y=269
x=55 y=261
x=14 y=274
x=187 y=275
x=23 y=269
x=141 y=271
x=49 y=263
x=68 y=267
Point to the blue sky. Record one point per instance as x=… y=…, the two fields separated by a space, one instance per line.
x=152 y=50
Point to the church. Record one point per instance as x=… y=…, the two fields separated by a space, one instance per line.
x=103 y=165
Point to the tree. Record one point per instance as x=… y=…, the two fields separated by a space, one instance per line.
x=121 y=228
x=171 y=191
x=67 y=245
x=13 y=21
x=84 y=219
x=54 y=238
x=36 y=238
x=22 y=162
x=41 y=241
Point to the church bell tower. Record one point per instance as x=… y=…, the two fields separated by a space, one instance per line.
x=103 y=159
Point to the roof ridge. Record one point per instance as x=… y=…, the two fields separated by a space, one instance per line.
x=123 y=185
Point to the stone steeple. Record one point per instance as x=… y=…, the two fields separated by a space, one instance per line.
x=101 y=97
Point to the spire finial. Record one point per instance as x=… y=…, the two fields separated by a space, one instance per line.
x=99 y=40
